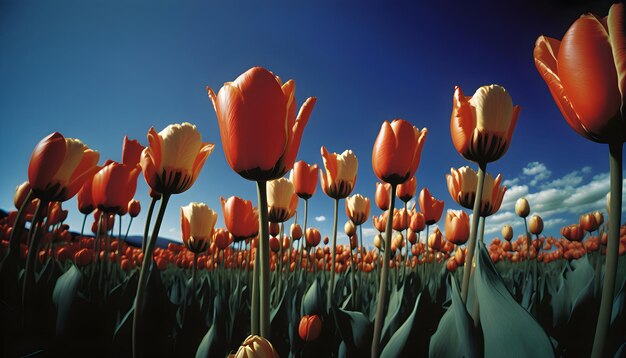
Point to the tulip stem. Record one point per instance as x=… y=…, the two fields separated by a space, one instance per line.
x=612 y=250
x=18 y=226
x=194 y=274
x=82 y=231
x=29 y=271
x=147 y=227
x=303 y=243
x=264 y=264
x=467 y=268
x=382 y=289
x=598 y=268
x=143 y=278
x=331 y=285
x=254 y=311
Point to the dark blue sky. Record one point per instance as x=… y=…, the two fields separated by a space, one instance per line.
x=101 y=70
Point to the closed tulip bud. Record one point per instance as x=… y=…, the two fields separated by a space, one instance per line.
x=400 y=219
x=482 y=125
x=451 y=264
x=134 y=207
x=309 y=328
x=379 y=243
x=435 y=240
x=599 y=218
x=295 y=231
x=174 y=158
x=382 y=195
x=522 y=209
x=274 y=229
x=313 y=237
x=282 y=200
x=256 y=347
x=349 y=228
x=21 y=192
x=412 y=237
x=354 y=242
x=573 y=232
x=535 y=225
x=325 y=240
x=241 y=218
x=430 y=207
x=397 y=151
x=406 y=190
x=588 y=222
x=304 y=179
x=197 y=223
x=358 y=208
x=274 y=244
x=418 y=222
x=60 y=166
x=507 y=232
x=457 y=226
x=259 y=102
x=222 y=238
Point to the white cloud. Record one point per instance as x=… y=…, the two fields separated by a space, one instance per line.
x=320 y=218
x=172 y=230
x=510 y=182
x=538 y=171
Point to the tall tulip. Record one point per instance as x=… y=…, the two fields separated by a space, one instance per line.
x=395 y=157
x=337 y=183
x=430 y=207
x=282 y=200
x=457 y=226
x=382 y=195
x=304 y=179
x=171 y=164
x=481 y=127
x=585 y=75
x=240 y=217
x=113 y=187
x=258 y=102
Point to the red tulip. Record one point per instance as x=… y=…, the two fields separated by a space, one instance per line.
x=85 y=198
x=240 y=217
x=295 y=230
x=585 y=74
x=418 y=222
x=457 y=226
x=588 y=222
x=257 y=102
x=304 y=179
x=313 y=237
x=310 y=327
x=573 y=232
x=134 y=207
x=406 y=191
x=114 y=186
x=397 y=151
x=382 y=195
x=430 y=207
x=60 y=166
x=222 y=238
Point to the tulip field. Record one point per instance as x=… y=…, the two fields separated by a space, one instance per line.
x=272 y=282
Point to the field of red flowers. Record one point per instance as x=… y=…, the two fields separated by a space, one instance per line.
x=260 y=287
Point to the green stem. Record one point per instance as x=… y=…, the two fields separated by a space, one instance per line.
x=264 y=263
x=612 y=250
x=143 y=278
x=304 y=244
x=331 y=285
x=467 y=268
x=528 y=243
x=128 y=228
x=18 y=226
x=598 y=268
x=254 y=311
x=29 y=273
x=382 y=289
x=82 y=231
x=147 y=227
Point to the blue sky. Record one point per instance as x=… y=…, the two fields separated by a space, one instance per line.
x=101 y=70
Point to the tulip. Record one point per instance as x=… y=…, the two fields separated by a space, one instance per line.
x=22 y=193
x=412 y=237
x=573 y=232
x=535 y=225
x=462 y=187
x=134 y=207
x=222 y=239
x=131 y=152
x=274 y=244
x=507 y=232
x=197 y=222
x=60 y=166
x=341 y=170
x=304 y=179
x=522 y=209
x=358 y=208
x=400 y=219
x=397 y=151
x=281 y=199
x=349 y=228
x=256 y=347
x=380 y=222
x=457 y=226
x=382 y=195
x=430 y=207
x=113 y=187
x=599 y=218
x=588 y=222
x=418 y=222
x=85 y=198
x=313 y=237
x=406 y=191
x=295 y=231
x=309 y=328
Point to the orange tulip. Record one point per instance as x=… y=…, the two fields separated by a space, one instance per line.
x=174 y=158
x=197 y=222
x=418 y=222
x=60 y=166
x=258 y=102
x=295 y=231
x=113 y=187
x=341 y=170
x=406 y=191
x=492 y=196
x=397 y=151
x=457 y=226
x=380 y=222
x=304 y=179
x=482 y=125
x=573 y=232
x=131 y=152
x=282 y=200
x=435 y=239
x=222 y=238
x=240 y=217
x=313 y=237
x=430 y=207
x=588 y=222
x=358 y=208
x=400 y=219
x=382 y=196
x=585 y=74
x=309 y=328
x=85 y=198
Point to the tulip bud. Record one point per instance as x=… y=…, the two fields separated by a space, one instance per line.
x=310 y=328
x=354 y=242
x=274 y=229
x=522 y=209
x=274 y=244
x=256 y=346
x=378 y=242
x=21 y=192
x=507 y=232
x=313 y=237
x=412 y=237
x=535 y=225
x=134 y=207
x=325 y=240
x=349 y=228
x=295 y=231
x=588 y=222
x=457 y=226
x=382 y=195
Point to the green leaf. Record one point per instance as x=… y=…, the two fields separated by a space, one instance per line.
x=455 y=336
x=63 y=297
x=395 y=316
x=314 y=301
x=507 y=326
x=356 y=330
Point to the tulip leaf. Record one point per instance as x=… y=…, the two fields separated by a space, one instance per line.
x=507 y=326
x=63 y=297
x=314 y=301
x=395 y=316
x=455 y=335
x=356 y=331
x=214 y=343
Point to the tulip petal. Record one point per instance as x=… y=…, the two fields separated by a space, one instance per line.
x=289 y=90
x=295 y=137
x=46 y=160
x=545 y=54
x=154 y=148
x=462 y=121
x=203 y=154
x=617 y=37
x=421 y=139
x=587 y=71
x=330 y=163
